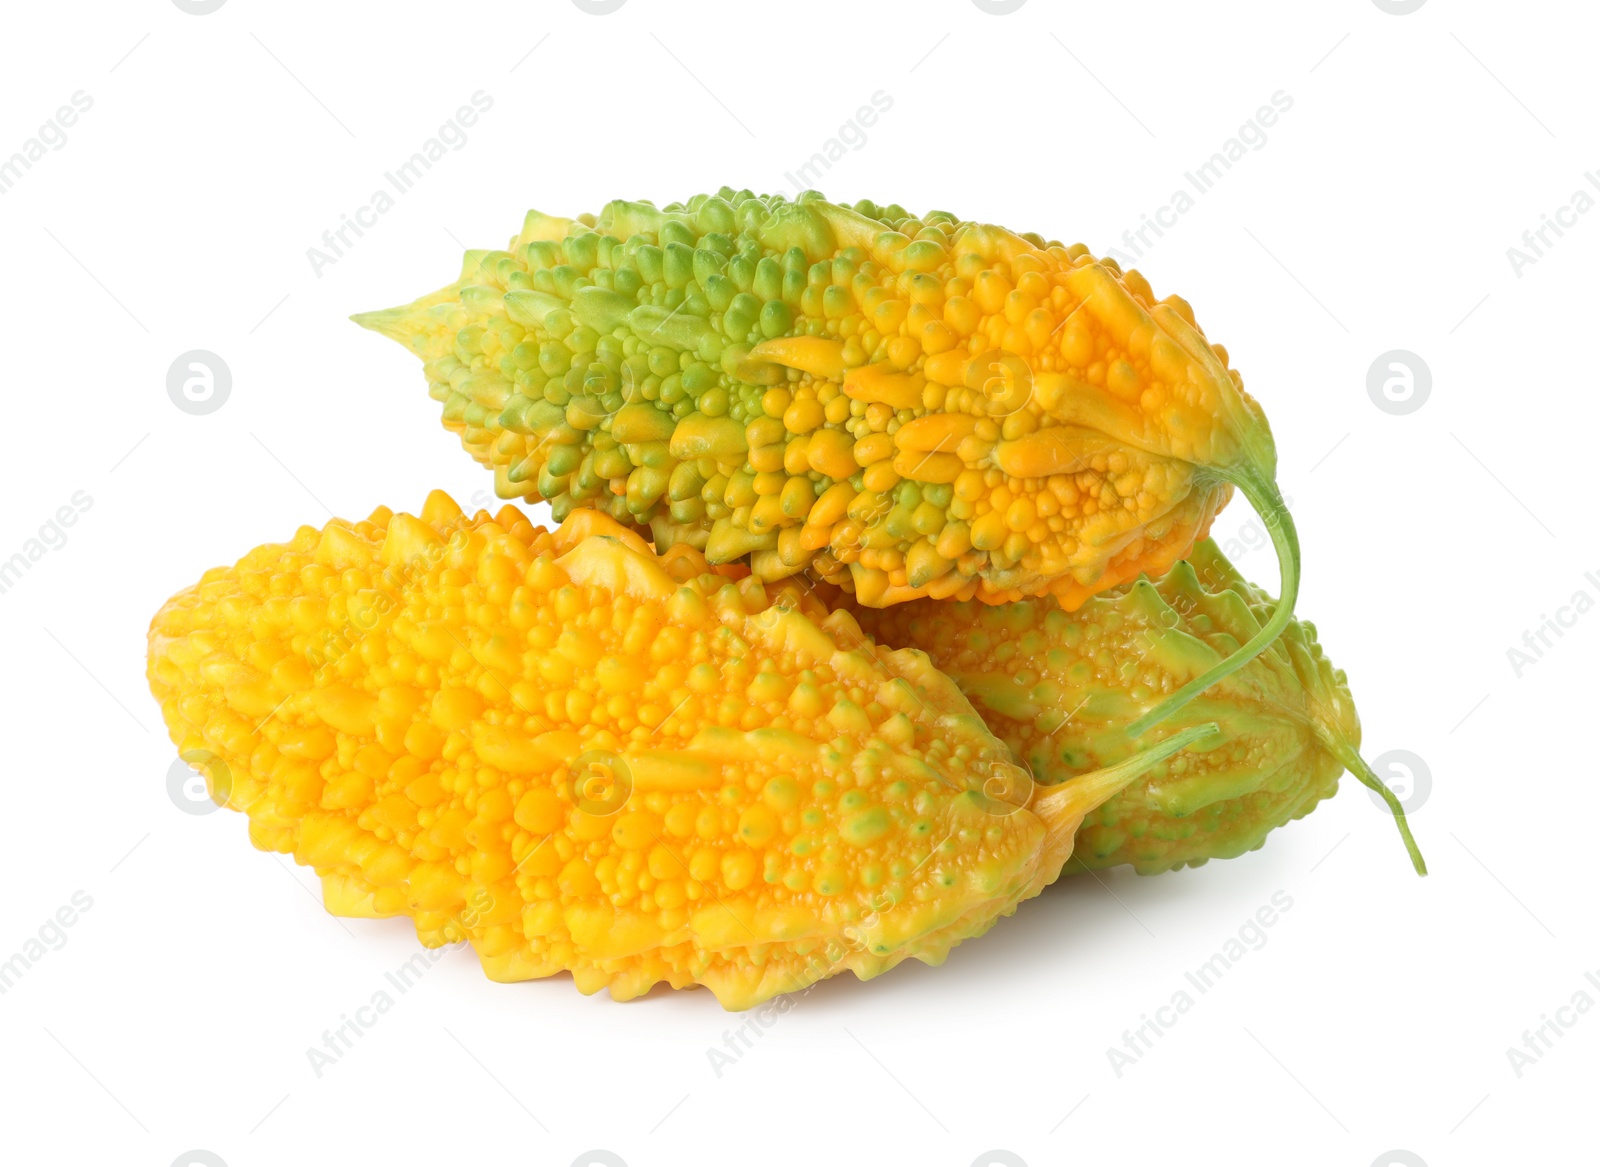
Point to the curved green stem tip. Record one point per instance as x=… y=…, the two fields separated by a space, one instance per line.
x=1357 y=765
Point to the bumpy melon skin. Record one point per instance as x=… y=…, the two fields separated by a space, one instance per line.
x=1060 y=689
x=906 y=406
x=414 y=705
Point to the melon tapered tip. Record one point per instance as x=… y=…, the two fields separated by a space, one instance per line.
x=391 y=322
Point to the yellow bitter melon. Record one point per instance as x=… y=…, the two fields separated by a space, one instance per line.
x=581 y=756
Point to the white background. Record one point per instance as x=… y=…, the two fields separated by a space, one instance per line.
x=1377 y=216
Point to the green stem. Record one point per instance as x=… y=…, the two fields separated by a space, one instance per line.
x=1357 y=765
x=1061 y=807
x=1263 y=495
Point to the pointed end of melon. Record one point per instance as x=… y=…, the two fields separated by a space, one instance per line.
x=391 y=322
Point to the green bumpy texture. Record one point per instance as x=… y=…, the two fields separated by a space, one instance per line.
x=566 y=362
x=1060 y=689
x=908 y=405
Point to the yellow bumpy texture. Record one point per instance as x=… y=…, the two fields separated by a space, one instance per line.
x=906 y=406
x=585 y=757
